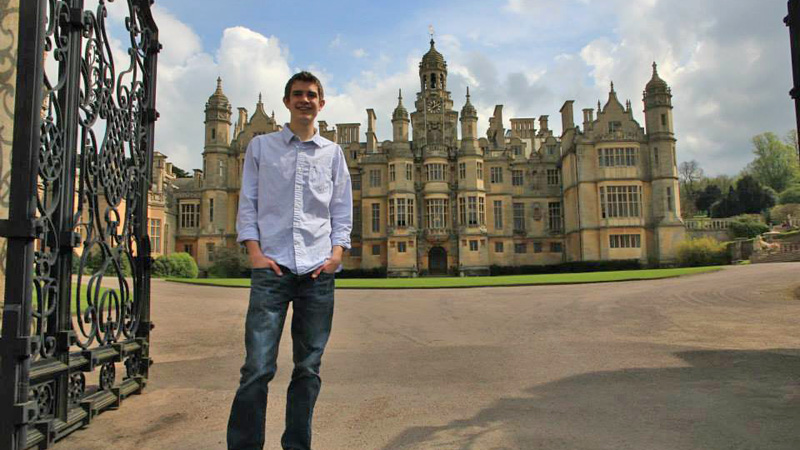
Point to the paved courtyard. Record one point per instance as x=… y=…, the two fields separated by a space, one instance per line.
x=700 y=362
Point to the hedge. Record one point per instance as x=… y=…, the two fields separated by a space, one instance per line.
x=704 y=251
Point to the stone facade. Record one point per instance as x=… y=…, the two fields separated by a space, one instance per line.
x=439 y=199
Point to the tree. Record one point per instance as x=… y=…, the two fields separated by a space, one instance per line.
x=727 y=206
x=790 y=195
x=781 y=213
x=690 y=173
x=776 y=162
x=752 y=196
x=707 y=197
x=749 y=197
x=180 y=173
x=723 y=182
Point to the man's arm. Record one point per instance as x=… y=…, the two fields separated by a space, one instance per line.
x=258 y=260
x=341 y=210
x=247 y=216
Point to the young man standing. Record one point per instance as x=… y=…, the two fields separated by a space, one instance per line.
x=295 y=217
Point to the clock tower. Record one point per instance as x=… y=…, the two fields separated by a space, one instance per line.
x=434 y=120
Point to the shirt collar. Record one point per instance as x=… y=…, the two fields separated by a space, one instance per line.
x=287 y=135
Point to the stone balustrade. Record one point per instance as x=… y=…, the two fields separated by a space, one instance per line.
x=708 y=224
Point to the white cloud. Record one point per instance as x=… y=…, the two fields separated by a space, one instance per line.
x=726 y=65
x=728 y=68
x=248 y=62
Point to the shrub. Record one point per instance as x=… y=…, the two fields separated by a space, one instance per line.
x=185 y=266
x=704 y=251
x=747 y=226
x=790 y=195
x=95 y=260
x=568 y=267
x=378 y=272
x=178 y=265
x=228 y=263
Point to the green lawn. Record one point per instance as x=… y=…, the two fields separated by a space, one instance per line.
x=458 y=282
x=72 y=298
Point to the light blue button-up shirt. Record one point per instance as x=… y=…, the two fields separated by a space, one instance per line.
x=296 y=199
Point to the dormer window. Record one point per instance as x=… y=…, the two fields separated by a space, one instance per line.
x=614 y=126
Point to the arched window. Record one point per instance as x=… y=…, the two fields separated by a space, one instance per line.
x=441 y=80
x=433 y=81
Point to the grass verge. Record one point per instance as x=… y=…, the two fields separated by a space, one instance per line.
x=462 y=282
x=73 y=296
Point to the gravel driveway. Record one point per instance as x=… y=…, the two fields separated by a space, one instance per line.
x=700 y=362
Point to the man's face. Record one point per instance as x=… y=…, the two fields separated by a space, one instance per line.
x=303 y=102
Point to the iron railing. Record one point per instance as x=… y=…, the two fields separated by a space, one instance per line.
x=80 y=175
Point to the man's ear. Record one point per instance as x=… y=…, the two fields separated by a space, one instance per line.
x=286 y=102
x=321 y=103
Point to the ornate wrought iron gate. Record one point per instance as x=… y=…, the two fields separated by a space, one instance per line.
x=80 y=176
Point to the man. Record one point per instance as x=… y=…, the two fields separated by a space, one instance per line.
x=295 y=217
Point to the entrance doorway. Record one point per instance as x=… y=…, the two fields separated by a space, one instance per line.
x=437 y=261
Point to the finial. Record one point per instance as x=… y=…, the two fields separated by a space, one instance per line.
x=400 y=95
x=598 y=106
x=612 y=87
x=219 y=84
x=259 y=98
x=273 y=114
x=655 y=71
x=430 y=32
x=467 y=93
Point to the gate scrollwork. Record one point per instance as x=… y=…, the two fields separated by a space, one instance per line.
x=80 y=308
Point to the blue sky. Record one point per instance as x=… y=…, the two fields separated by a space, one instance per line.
x=726 y=61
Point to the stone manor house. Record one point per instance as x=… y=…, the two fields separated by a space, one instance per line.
x=433 y=200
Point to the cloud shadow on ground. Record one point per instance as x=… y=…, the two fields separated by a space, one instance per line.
x=724 y=399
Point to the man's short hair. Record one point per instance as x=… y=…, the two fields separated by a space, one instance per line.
x=308 y=77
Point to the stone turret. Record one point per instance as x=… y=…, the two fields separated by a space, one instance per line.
x=400 y=121
x=469 y=121
x=217 y=118
x=218 y=124
x=657 y=100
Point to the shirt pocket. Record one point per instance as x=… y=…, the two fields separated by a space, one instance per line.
x=319 y=178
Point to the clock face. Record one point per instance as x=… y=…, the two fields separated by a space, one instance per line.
x=434 y=105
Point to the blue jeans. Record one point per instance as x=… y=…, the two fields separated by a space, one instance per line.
x=312 y=308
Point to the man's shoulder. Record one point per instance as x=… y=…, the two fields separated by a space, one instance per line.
x=274 y=138
x=326 y=143
x=267 y=142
